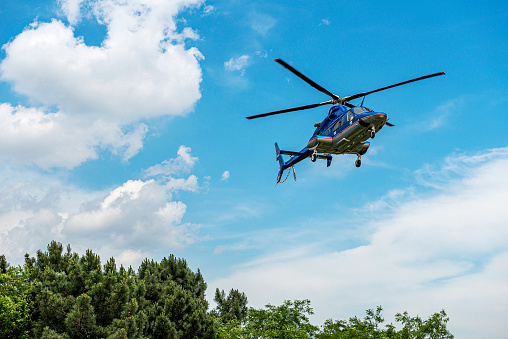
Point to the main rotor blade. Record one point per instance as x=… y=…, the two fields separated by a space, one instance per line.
x=399 y=84
x=306 y=79
x=299 y=108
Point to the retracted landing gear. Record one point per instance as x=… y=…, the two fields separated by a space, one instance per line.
x=358 y=161
x=372 y=134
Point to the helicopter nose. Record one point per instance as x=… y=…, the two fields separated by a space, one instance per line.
x=373 y=118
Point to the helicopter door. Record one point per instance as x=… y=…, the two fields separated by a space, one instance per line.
x=349 y=116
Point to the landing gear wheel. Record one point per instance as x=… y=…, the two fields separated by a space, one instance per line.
x=372 y=134
x=313 y=157
x=358 y=162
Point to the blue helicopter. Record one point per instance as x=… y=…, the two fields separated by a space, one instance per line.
x=345 y=130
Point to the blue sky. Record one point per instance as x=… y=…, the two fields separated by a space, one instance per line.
x=124 y=131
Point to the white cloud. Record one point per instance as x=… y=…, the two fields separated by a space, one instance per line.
x=208 y=9
x=445 y=250
x=262 y=23
x=71 y=9
x=30 y=136
x=325 y=22
x=139 y=214
x=141 y=70
x=137 y=219
x=182 y=164
x=131 y=258
x=225 y=176
x=237 y=64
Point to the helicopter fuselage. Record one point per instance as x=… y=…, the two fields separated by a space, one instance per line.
x=346 y=131
x=343 y=131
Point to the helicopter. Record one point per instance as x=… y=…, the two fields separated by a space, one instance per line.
x=345 y=130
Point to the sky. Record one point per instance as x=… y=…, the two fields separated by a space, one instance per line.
x=123 y=131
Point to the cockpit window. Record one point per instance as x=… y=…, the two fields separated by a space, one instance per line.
x=359 y=110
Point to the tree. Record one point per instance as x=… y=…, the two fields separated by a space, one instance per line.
x=4 y=265
x=176 y=304
x=414 y=327
x=80 y=321
x=288 y=320
x=76 y=297
x=369 y=327
x=15 y=302
x=233 y=306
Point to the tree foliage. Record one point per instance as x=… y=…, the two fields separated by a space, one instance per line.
x=61 y=295
x=290 y=320
x=15 y=301
x=77 y=297
x=370 y=327
x=232 y=306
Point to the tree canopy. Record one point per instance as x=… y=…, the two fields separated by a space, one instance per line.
x=60 y=295
x=15 y=301
x=76 y=297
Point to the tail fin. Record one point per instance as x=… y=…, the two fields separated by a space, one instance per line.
x=281 y=162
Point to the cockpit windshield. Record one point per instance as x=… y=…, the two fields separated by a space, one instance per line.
x=359 y=110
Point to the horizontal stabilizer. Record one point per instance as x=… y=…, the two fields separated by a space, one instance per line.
x=328 y=159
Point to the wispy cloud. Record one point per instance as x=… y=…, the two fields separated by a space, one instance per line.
x=208 y=9
x=237 y=64
x=325 y=22
x=261 y=23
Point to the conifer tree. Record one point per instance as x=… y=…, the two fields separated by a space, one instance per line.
x=77 y=297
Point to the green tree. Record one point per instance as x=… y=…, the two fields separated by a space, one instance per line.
x=4 y=265
x=232 y=306
x=288 y=320
x=76 y=297
x=176 y=304
x=370 y=327
x=15 y=302
x=231 y=329
x=80 y=321
x=415 y=327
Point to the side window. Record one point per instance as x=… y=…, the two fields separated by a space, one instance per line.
x=336 y=125
x=349 y=116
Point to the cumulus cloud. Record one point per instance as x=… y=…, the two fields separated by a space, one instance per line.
x=142 y=70
x=30 y=136
x=445 y=250
x=133 y=220
x=137 y=214
x=181 y=164
x=71 y=9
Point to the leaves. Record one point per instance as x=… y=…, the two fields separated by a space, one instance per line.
x=60 y=295
x=15 y=302
x=77 y=297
